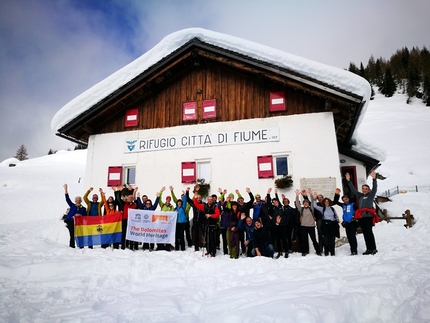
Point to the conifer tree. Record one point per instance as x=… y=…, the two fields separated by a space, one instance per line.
x=353 y=68
x=426 y=90
x=413 y=82
x=362 y=72
x=21 y=153
x=378 y=71
x=371 y=70
x=388 y=86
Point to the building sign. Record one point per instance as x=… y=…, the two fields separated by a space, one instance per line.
x=324 y=186
x=202 y=140
x=151 y=226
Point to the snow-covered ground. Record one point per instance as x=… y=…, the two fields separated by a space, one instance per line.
x=43 y=280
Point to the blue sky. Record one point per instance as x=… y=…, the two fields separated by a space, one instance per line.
x=53 y=50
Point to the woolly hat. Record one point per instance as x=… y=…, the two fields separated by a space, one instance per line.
x=231 y=195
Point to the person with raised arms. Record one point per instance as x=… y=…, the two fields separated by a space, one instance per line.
x=366 y=213
x=75 y=209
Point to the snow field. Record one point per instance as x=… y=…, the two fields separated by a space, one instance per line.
x=42 y=280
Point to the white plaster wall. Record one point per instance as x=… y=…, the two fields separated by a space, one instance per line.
x=308 y=138
x=360 y=168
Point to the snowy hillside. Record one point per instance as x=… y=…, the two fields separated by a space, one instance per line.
x=42 y=280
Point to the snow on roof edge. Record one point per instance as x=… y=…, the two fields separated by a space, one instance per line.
x=334 y=76
x=366 y=148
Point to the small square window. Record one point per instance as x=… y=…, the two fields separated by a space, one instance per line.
x=204 y=171
x=281 y=166
x=130 y=175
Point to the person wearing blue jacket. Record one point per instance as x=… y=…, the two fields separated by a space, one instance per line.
x=349 y=223
x=75 y=209
x=181 y=222
x=247 y=225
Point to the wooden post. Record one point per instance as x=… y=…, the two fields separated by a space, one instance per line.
x=408 y=218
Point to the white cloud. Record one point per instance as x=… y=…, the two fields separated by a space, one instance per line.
x=51 y=51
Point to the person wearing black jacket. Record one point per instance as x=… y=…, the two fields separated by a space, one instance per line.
x=279 y=223
x=261 y=239
x=198 y=223
x=265 y=210
x=291 y=219
x=319 y=216
x=211 y=213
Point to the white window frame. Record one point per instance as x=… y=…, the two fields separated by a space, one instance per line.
x=200 y=162
x=125 y=169
x=289 y=162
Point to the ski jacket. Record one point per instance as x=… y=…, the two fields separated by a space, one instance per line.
x=348 y=209
x=142 y=206
x=365 y=201
x=291 y=215
x=249 y=229
x=212 y=209
x=108 y=211
x=359 y=214
x=278 y=211
x=307 y=218
x=261 y=237
x=74 y=209
x=127 y=206
x=182 y=218
x=246 y=207
x=224 y=217
x=93 y=208
x=328 y=213
x=198 y=215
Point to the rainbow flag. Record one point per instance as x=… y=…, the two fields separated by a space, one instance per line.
x=98 y=230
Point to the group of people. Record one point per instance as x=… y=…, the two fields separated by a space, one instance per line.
x=257 y=227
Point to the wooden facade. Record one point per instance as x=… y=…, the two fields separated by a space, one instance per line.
x=197 y=71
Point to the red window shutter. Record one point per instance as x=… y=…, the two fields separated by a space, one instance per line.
x=188 y=172
x=131 y=118
x=209 y=109
x=277 y=101
x=114 y=176
x=189 y=111
x=265 y=166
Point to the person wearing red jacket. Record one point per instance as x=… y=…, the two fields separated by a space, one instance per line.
x=212 y=213
x=124 y=206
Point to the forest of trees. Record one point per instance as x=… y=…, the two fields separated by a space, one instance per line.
x=407 y=71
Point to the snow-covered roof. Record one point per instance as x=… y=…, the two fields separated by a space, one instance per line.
x=330 y=75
